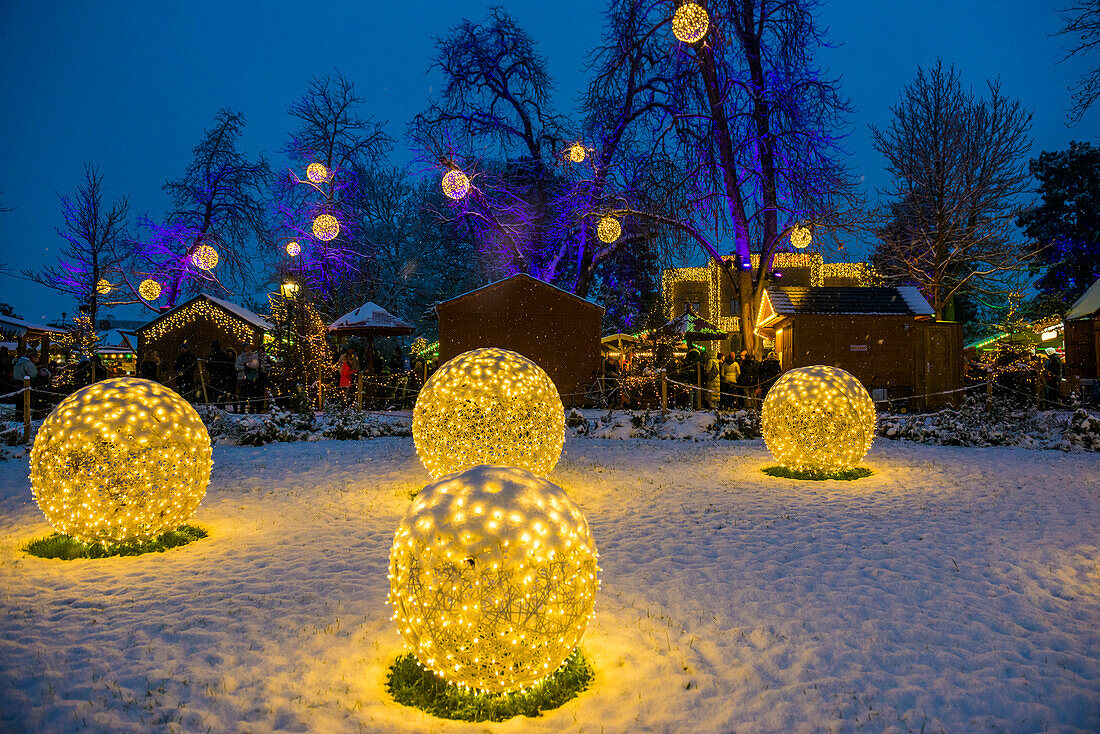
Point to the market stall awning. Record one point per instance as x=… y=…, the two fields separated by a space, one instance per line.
x=690 y=328
x=370 y=319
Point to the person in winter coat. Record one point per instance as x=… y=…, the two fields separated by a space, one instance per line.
x=769 y=371
x=184 y=367
x=149 y=368
x=1053 y=372
x=748 y=379
x=731 y=372
x=712 y=378
x=24 y=367
x=248 y=372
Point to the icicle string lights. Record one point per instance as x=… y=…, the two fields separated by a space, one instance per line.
x=201 y=309
x=493 y=578
x=122 y=459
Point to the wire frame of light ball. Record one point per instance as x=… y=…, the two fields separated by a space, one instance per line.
x=577 y=153
x=317 y=173
x=326 y=227
x=103 y=287
x=801 y=237
x=293 y=248
x=489 y=406
x=205 y=257
x=690 y=23
x=119 y=460
x=456 y=184
x=818 y=418
x=608 y=229
x=493 y=577
x=149 y=289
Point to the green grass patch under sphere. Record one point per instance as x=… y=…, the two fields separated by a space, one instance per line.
x=67 y=547
x=858 y=472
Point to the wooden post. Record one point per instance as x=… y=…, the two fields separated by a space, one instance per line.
x=359 y=391
x=320 y=394
x=202 y=382
x=989 y=388
x=664 y=392
x=699 y=384
x=26 y=410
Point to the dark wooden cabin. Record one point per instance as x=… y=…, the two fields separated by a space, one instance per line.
x=1082 y=338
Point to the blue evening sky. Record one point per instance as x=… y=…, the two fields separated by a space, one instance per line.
x=130 y=86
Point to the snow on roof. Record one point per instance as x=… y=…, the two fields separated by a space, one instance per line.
x=19 y=327
x=520 y=275
x=369 y=314
x=918 y=304
x=1087 y=304
x=893 y=301
x=250 y=316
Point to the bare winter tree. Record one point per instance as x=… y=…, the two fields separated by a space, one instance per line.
x=1082 y=19
x=959 y=166
x=216 y=203
x=87 y=267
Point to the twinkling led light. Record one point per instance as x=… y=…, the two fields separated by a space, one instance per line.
x=819 y=418
x=489 y=406
x=455 y=184
x=317 y=173
x=801 y=236
x=690 y=23
x=103 y=287
x=205 y=257
x=608 y=229
x=326 y=227
x=149 y=289
x=577 y=153
x=493 y=578
x=121 y=459
x=293 y=248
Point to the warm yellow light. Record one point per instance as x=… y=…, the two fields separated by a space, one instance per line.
x=493 y=578
x=489 y=406
x=293 y=248
x=205 y=257
x=317 y=173
x=326 y=227
x=608 y=229
x=690 y=23
x=103 y=287
x=801 y=236
x=149 y=289
x=120 y=459
x=577 y=153
x=455 y=184
x=289 y=288
x=818 y=417
x=1048 y=335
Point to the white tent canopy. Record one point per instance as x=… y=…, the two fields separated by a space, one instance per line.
x=370 y=316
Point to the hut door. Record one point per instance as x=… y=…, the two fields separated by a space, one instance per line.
x=937 y=364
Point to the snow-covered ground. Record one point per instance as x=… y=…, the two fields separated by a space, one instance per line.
x=956 y=590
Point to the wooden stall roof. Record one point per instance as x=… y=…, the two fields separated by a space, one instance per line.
x=11 y=328
x=234 y=309
x=520 y=276
x=780 y=303
x=1087 y=305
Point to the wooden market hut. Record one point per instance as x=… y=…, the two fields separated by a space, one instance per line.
x=19 y=335
x=886 y=337
x=1082 y=338
x=557 y=330
x=200 y=322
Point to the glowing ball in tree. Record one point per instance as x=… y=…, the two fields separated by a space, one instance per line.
x=608 y=229
x=204 y=257
x=149 y=289
x=455 y=184
x=818 y=418
x=577 y=153
x=690 y=23
x=317 y=173
x=801 y=236
x=326 y=227
x=293 y=248
x=103 y=287
x=122 y=459
x=493 y=578
x=489 y=406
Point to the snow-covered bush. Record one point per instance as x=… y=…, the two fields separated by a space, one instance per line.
x=352 y=425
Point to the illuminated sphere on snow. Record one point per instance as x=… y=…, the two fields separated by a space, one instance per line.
x=205 y=257
x=317 y=173
x=493 y=578
x=455 y=184
x=577 y=153
x=489 y=406
x=818 y=418
x=121 y=459
x=293 y=248
x=801 y=236
x=690 y=23
x=149 y=289
x=608 y=229
x=326 y=227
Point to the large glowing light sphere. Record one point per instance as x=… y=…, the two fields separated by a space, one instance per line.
x=455 y=184
x=326 y=227
x=317 y=173
x=149 y=289
x=205 y=257
x=801 y=236
x=690 y=23
x=489 y=406
x=608 y=229
x=577 y=153
x=121 y=459
x=103 y=287
x=293 y=248
x=493 y=578
x=818 y=418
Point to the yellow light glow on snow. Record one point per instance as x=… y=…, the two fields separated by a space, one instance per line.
x=493 y=578
x=608 y=229
x=120 y=459
x=205 y=257
x=818 y=417
x=455 y=184
x=489 y=406
x=326 y=227
x=690 y=23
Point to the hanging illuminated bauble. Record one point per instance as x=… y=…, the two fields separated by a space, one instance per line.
x=818 y=418
x=293 y=248
x=493 y=578
x=455 y=184
x=577 y=153
x=121 y=459
x=690 y=23
x=205 y=257
x=489 y=406
x=149 y=289
x=326 y=227
x=103 y=287
x=317 y=173
x=801 y=236
x=608 y=229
